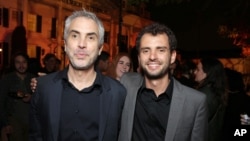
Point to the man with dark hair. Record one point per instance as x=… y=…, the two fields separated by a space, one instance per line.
x=15 y=95
x=157 y=106
x=50 y=64
x=102 y=62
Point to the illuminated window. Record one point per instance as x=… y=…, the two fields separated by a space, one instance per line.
x=34 y=23
x=31 y=22
x=31 y=50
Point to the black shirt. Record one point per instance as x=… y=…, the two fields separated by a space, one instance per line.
x=80 y=112
x=151 y=114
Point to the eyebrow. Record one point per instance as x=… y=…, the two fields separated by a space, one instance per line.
x=158 y=47
x=74 y=31
x=91 y=33
x=88 y=34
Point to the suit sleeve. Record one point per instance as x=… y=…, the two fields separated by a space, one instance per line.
x=200 y=130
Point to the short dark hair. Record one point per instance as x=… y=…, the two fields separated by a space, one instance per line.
x=48 y=56
x=155 y=29
x=103 y=56
x=23 y=54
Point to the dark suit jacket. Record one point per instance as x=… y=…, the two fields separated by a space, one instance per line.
x=187 y=116
x=46 y=103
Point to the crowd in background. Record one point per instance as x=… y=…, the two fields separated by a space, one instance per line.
x=228 y=97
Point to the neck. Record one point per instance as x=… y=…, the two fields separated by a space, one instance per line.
x=158 y=85
x=81 y=78
x=21 y=75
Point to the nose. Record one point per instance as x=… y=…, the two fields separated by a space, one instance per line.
x=125 y=67
x=152 y=55
x=82 y=43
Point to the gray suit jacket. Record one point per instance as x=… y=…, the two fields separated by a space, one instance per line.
x=187 y=116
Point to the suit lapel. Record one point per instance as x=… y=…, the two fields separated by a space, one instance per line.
x=175 y=112
x=55 y=104
x=132 y=85
x=105 y=103
x=131 y=111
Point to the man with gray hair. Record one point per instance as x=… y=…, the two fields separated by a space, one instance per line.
x=78 y=103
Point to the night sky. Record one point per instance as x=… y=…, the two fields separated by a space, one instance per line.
x=196 y=23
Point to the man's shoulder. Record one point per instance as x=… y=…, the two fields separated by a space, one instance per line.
x=9 y=75
x=131 y=76
x=48 y=77
x=108 y=81
x=190 y=93
x=113 y=86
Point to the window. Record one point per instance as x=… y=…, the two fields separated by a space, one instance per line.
x=35 y=23
x=5 y=17
x=53 y=28
x=17 y=16
x=31 y=22
x=14 y=15
x=39 y=23
x=1 y=16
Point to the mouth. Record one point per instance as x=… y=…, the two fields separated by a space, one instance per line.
x=81 y=55
x=153 y=65
x=123 y=71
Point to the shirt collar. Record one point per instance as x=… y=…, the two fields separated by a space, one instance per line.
x=97 y=82
x=168 y=91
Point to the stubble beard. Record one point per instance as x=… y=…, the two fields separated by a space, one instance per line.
x=85 y=67
x=151 y=76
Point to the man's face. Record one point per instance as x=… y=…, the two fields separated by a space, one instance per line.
x=199 y=73
x=81 y=44
x=154 y=55
x=51 y=64
x=21 y=64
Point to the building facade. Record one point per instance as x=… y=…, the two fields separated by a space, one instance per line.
x=43 y=21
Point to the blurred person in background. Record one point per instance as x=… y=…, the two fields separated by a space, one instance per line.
x=102 y=62
x=238 y=104
x=211 y=79
x=187 y=69
x=15 y=95
x=50 y=64
x=121 y=64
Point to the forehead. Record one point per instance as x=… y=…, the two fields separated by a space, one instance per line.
x=124 y=58
x=20 y=58
x=154 y=40
x=83 y=24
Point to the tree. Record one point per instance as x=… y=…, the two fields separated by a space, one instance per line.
x=18 y=40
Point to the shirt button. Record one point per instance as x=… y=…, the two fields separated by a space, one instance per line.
x=76 y=111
